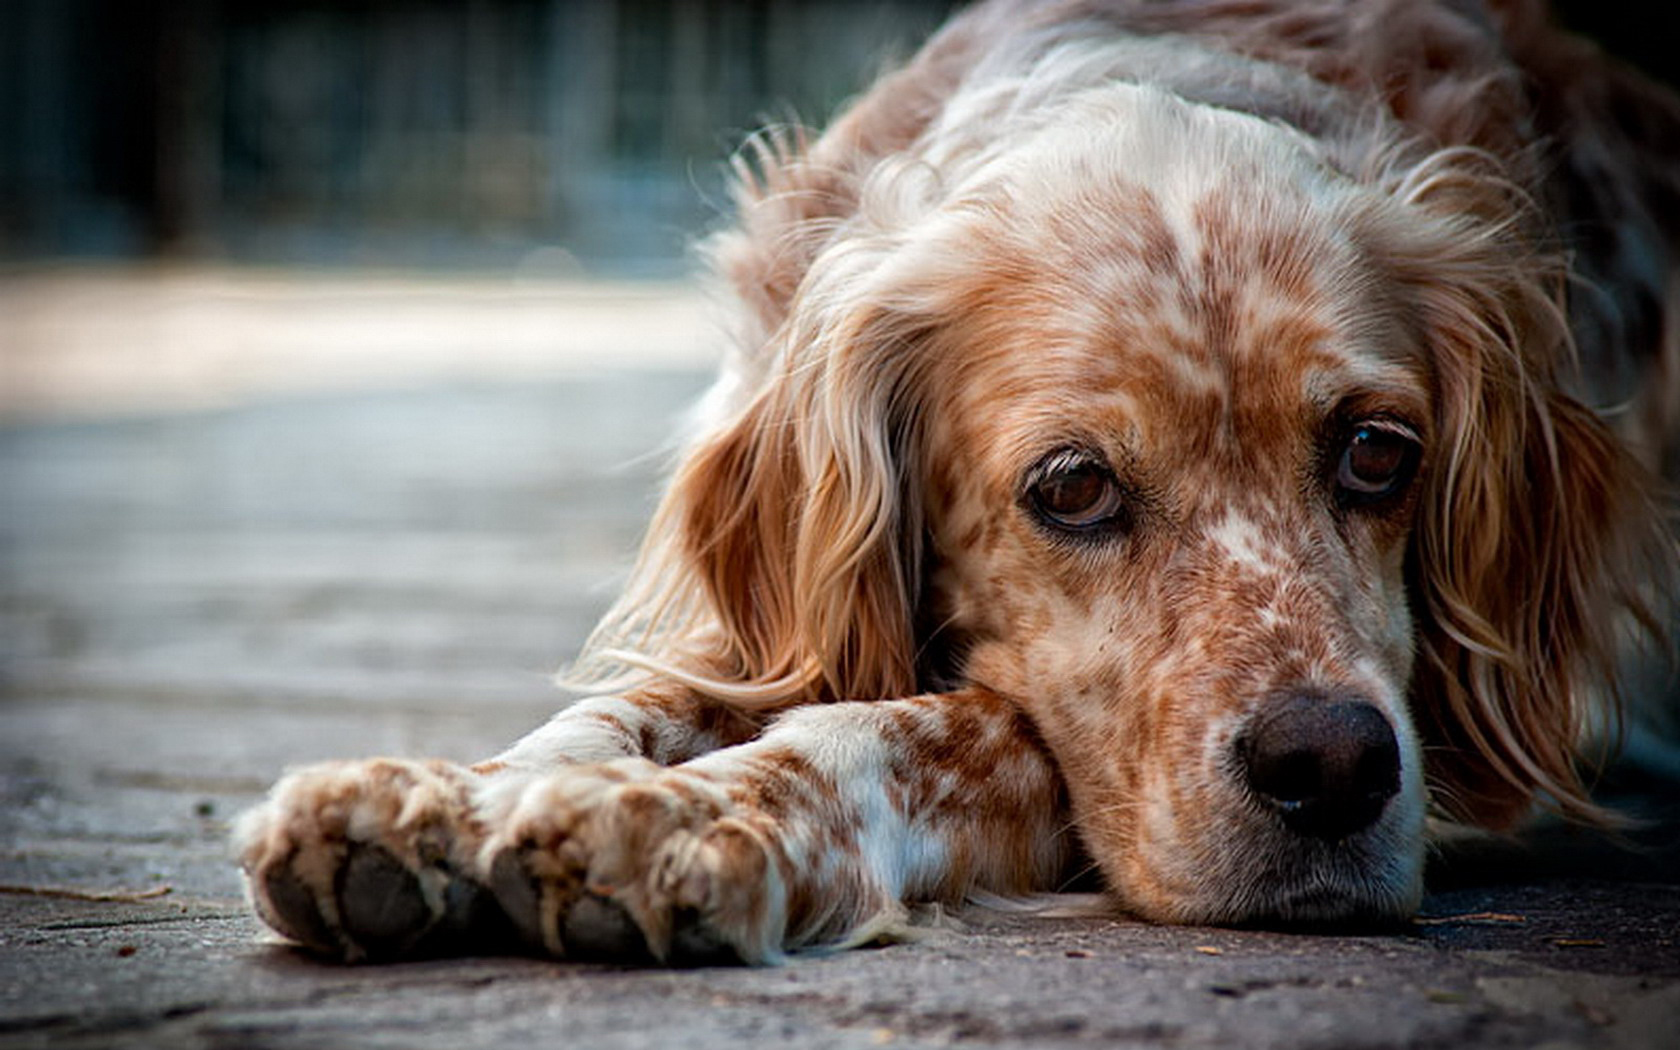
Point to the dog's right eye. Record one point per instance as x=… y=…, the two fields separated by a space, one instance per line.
x=1075 y=492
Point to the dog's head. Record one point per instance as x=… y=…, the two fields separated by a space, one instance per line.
x=1250 y=481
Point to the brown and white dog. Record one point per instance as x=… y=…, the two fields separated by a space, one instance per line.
x=1154 y=443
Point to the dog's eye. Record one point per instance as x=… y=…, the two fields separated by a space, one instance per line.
x=1378 y=460
x=1073 y=491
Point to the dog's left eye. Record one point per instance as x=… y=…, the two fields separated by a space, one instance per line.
x=1378 y=460
x=1076 y=492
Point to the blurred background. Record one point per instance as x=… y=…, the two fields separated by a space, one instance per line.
x=339 y=344
x=545 y=134
x=483 y=133
x=204 y=198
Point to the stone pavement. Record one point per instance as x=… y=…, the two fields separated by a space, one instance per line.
x=196 y=593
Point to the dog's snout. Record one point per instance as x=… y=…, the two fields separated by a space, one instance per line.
x=1327 y=766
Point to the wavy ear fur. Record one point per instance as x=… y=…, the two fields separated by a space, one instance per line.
x=1537 y=530
x=784 y=563
x=792 y=520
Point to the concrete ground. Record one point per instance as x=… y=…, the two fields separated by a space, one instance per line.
x=259 y=560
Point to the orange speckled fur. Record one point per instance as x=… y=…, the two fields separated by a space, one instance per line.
x=1280 y=294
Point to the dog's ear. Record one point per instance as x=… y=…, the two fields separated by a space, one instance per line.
x=1521 y=560
x=1535 y=529
x=798 y=521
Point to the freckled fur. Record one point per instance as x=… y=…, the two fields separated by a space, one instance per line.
x=1196 y=240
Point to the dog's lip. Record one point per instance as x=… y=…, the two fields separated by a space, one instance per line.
x=1350 y=920
x=1366 y=881
x=1352 y=882
x=1308 y=904
x=1324 y=903
x=1334 y=887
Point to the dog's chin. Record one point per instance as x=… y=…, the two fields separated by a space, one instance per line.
x=1333 y=904
x=1366 y=882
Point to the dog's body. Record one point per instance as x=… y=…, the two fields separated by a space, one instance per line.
x=1152 y=445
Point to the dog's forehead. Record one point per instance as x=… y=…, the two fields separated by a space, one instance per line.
x=1174 y=318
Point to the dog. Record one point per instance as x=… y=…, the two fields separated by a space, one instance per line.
x=1154 y=445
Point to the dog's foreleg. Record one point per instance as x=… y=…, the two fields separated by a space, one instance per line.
x=814 y=833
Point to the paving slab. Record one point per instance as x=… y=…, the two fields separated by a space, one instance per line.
x=194 y=597
x=195 y=972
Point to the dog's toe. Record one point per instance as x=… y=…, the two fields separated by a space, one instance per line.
x=695 y=942
x=381 y=902
x=286 y=903
x=518 y=895
x=600 y=928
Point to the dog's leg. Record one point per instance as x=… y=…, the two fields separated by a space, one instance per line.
x=378 y=858
x=663 y=726
x=813 y=833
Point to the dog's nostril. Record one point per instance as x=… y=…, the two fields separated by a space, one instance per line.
x=1328 y=767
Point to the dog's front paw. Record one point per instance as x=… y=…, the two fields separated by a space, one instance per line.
x=370 y=860
x=630 y=861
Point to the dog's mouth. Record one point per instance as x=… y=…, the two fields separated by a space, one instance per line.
x=1313 y=819
x=1349 y=886
x=1331 y=915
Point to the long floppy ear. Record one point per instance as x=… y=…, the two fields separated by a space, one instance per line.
x=799 y=525
x=1524 y=559
x=1536 y=532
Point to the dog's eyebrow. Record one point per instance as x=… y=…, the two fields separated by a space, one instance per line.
x=1368 y=389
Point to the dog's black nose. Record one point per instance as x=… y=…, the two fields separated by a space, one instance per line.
x=1327 y=766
